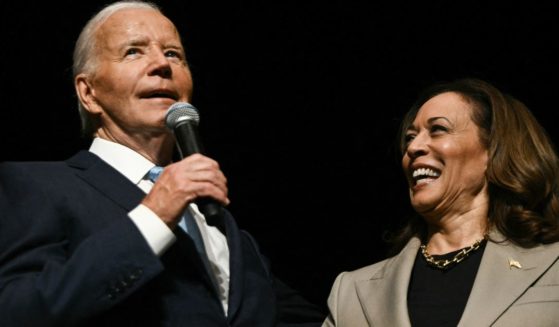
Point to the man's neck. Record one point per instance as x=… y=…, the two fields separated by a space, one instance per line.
x=156 y=148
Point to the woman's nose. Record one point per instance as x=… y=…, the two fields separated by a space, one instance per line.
x=417 y=146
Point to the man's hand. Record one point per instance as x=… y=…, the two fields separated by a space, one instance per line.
x=183 y=182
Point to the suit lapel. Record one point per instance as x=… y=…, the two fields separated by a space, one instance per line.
x=236 y=267
x=185 y=242
x=384 y=296
x=108 y=181
x=500 y=281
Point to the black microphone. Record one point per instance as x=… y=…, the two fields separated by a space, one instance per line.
x=182 y=118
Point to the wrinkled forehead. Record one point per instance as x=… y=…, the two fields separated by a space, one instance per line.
x=133 y=22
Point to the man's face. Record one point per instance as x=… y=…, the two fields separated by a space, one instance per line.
x=139 y=71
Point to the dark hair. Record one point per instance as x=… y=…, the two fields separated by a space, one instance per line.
x=522 y=171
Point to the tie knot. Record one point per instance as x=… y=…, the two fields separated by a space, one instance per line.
x=153 y=173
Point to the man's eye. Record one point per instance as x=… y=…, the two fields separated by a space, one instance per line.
x=173 y=54
x=131 y=52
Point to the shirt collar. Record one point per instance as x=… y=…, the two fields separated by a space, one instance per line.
x=125 y=160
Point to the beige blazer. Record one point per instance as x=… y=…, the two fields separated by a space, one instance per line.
x=513 y=287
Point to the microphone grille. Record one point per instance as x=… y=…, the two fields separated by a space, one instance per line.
x=179 y=112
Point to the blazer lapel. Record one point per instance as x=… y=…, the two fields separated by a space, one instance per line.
x=384 y=296
x=187 y=252
x=236 y=267
x=109 y=182
x=505 y=273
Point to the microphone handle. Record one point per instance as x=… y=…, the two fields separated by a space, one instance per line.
x=188 y=141
x=186 y=135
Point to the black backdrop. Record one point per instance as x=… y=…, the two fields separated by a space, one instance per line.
x=300 y=103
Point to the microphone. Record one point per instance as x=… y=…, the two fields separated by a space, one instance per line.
x=182 y=118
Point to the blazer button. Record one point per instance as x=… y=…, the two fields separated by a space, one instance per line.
x=135 y=275
x=124 y=284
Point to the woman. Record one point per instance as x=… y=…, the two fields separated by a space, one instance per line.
x=483 y=178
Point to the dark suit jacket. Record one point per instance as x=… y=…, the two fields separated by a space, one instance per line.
x=69 y=255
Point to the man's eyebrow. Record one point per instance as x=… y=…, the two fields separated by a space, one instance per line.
x=140 y=41
x=173 y=46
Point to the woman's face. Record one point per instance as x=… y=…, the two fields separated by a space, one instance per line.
x=445 y=161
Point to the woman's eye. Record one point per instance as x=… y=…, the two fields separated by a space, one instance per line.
x=408 y=138
x=438 y=128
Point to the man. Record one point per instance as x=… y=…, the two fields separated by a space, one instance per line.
x=94 y=241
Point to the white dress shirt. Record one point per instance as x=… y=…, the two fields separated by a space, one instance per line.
x=157 y=234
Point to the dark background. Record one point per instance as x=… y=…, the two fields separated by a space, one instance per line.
x=300 y=103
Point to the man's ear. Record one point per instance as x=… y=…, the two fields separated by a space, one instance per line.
x=86 y=94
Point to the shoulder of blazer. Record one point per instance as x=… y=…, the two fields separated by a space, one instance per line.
x=379 y=269
x=38 y=172
x=84 y=159
x=32 y=175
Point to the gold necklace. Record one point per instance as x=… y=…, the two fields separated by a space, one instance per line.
x=445 y=263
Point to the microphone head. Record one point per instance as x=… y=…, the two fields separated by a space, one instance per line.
x=179 y=112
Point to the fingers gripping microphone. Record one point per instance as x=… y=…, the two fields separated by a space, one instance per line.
x=182 y=118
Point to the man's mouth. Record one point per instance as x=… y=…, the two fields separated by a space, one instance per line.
x=159 y=94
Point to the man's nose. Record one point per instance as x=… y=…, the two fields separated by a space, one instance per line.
x=160 y=65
